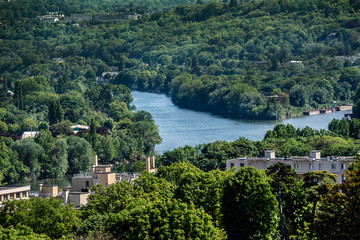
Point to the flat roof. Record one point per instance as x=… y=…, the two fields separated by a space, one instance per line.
x=6 y=189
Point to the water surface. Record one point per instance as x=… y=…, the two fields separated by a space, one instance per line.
x=179 y=127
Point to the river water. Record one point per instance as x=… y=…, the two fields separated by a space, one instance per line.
x=179 y=127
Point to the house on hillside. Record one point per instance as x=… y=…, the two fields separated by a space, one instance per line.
x=76 y=128
x=29 y=134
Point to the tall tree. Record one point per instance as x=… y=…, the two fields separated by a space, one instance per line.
x=56 y=113
x=318 y=184
x=338 y=215
x=30 y=154
x=287 y=186
x=249 y=207
x=80 y=154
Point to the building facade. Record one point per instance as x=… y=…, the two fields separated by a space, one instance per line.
x=11 y=192
x=302 y=164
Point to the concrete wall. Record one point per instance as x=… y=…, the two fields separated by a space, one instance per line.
x=48 y=190
x=79 y=183
x=78 y=198
x=106 y=179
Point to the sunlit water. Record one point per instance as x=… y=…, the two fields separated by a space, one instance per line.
x=179 y=127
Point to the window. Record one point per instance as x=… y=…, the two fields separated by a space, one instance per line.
x=5 y=197
x=87 y=183
x=311 y=166
x=321 y=166
x=333 y=166
x=17 y=195
x=343 y=178
x=343 y=166
x=241 y=164
x=231 y=165
x=11 y=196
x=23 y=194
x=296 y=165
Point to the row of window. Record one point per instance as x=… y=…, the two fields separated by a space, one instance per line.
x=321 y=166
x=13 y=195
x=296 y=166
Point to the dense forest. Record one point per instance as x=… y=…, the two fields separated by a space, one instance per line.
x=228 y=58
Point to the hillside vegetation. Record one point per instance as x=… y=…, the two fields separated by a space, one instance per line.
x=218 y=57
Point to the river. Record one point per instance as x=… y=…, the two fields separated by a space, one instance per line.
x=179 y=127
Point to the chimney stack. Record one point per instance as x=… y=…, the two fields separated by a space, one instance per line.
x=315 y=154
x=96 y=160
x=152 y=165
x=270 y=154
x=148 y=165
x=66 y=195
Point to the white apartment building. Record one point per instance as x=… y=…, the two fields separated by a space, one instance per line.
x=302 y=164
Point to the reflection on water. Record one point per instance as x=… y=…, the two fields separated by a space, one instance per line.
x=61 y=182
x=179 y=127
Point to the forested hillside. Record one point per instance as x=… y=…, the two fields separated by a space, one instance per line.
x=227 y=58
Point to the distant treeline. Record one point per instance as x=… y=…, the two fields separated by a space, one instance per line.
x=340 y=140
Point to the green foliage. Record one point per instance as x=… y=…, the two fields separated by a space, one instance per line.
x=80 y=154
x=111 y=199
x=30 y=154
x=56 y=113
x=12 y=170
x=153 y=185
x=162 y=219
x=59 y=128
x=249 y=208
x=339 y=206
x=21 y=233
x=287 y=186
x=58 y=165
x=43 y=215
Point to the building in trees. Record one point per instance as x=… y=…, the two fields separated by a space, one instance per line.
x=82 y=182
x=302 y=164
x=10 y=192
x=29 y=134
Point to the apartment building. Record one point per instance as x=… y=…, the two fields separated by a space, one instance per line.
x=11 y=192
x=302 y=164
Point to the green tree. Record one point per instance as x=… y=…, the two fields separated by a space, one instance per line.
x=354 y=128
x=56 y=113
x=80 y=154
x=3 y=127
x=11 y=169
x=244 y=219
x=317 y=184
x=58 y=165
x=44 y=215
x=287 y=186
x=298 y=96
x=21 y=232
x=105 y=149
x=233 y=3
x=30 y=154
x=59 y=128
x=110 y=199
x=150 y=219
x=338 y=214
